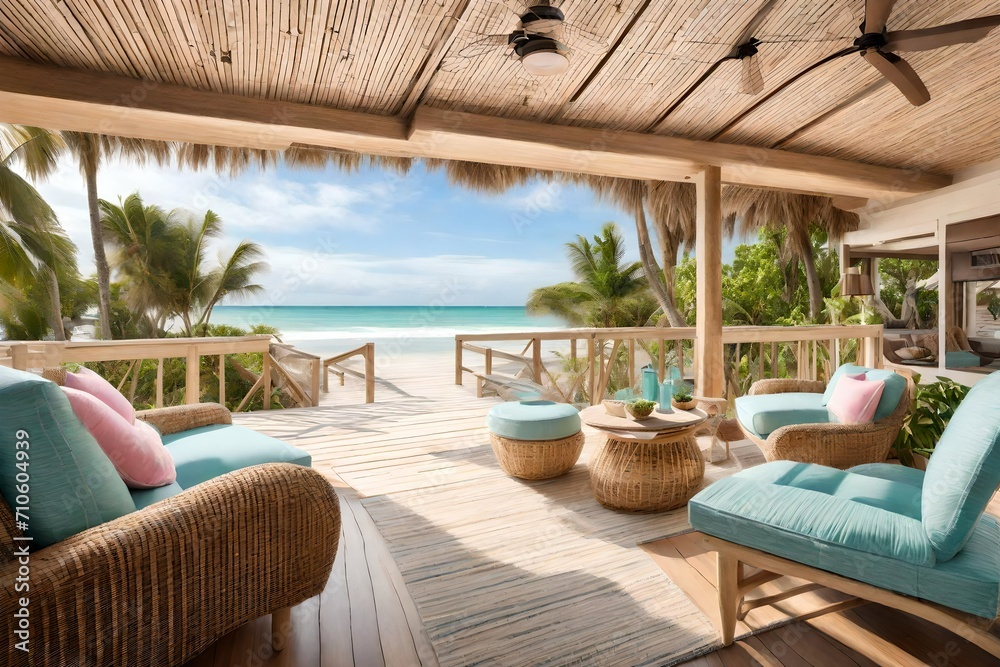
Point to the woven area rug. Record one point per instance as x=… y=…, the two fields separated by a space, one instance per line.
x=511 y=572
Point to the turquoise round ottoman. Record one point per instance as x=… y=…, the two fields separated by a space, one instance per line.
x=535 y=439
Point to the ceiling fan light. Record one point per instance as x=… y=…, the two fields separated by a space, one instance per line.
x=545 y=62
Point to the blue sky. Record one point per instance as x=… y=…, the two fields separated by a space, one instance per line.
x=367 y=238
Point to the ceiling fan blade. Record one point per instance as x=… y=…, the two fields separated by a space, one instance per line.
x=751 y=80
x=582 y=40
x=900 y=74
x=962 y=32
x=483 y=46
x=876 y=14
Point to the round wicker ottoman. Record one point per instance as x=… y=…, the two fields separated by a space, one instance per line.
x=535 y=439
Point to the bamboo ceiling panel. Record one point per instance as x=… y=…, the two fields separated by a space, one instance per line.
x=349 y=55
x=388 y=57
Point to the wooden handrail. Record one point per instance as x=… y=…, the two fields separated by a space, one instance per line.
x=367 y=352
x=23 y=355
x=808 y=343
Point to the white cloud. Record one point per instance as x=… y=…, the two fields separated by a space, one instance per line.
x=319 y=276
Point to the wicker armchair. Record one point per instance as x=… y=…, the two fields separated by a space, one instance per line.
x=835 y=445
x=157 y=586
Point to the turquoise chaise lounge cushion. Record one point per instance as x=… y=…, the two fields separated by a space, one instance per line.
x=895 y=386
x=72 y=484
x=207 y=452
x=864 y=525
x=964 y=471
x=961 y=359
x=766 y=413
x=533 y=420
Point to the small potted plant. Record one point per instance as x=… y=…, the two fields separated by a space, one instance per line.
x=640 y=409
x=931 y=410
x=683 y=400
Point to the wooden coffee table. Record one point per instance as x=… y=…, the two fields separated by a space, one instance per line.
x=651 y=465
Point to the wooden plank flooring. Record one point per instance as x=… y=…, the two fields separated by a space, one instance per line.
x=429 y=434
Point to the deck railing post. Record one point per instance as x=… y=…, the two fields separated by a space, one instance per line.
x=458 y=360
x=192 y=380
x=590 y=369
x=265 y=375
x=314 y=371
x=536 y=359
x=222 y=379
x=19 y=356
x=489 y=361
x=159 y=382
x=369 y=372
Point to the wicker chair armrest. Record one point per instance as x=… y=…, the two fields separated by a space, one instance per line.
x=185 y=417
x=786 y=386
x=192 y=568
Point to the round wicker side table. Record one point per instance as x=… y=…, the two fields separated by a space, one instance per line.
x=648 y=466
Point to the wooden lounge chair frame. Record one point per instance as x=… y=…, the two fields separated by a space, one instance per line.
x=733 y=588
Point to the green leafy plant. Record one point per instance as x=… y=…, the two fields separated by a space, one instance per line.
x=640 y=408
x=932 y=408
x=682 y=392
x=994 y=306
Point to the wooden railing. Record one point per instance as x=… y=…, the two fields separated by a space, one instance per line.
x=809 y=352
x=334 y=365
x=28 y=355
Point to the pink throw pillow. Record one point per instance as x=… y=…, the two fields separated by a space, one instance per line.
x=854 y=401
x=136 y=450
x=92 y=383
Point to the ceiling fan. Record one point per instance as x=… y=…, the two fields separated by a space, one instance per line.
x=879 y=47
x=539 y=41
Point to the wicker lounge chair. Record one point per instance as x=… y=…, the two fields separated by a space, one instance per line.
x=157 y=585
x=917 y=541
x=798 y=427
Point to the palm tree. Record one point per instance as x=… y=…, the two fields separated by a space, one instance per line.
x=608 y=293
x=89 y=151
x=33 y=247
x=197 y=290
x=775 y=210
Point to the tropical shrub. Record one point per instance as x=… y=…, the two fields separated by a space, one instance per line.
x=932 y=408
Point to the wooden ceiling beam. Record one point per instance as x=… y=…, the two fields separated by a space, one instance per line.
x=461 y=136
x=65 y=99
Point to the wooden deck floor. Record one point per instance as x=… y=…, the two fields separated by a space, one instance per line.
x=429 y=434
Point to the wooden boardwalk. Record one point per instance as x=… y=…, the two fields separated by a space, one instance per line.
x=423 y=437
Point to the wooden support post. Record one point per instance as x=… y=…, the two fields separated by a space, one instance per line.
x=661 y=366
x=774 y=359
x=159 y=383
x=945 y=308
x=314 y=368
x=710 y=378
x=458 y=360
x=370 y=373
x=19 y=356
x=281 y=627
x=591 y=352
x=536 y=359
x=265 y=376
x=222 y=379
x=192 y=381
x=489 y=361
x=631 y=362
x=728 y=569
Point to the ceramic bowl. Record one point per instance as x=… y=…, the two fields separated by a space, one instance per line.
x=613 y=407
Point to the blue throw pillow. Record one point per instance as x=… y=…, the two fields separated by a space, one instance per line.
x=964 y=471
x=51 y=465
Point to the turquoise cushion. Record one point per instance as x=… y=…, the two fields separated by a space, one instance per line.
x=851 y=536
x=961 y=360
x=533 y=420
x=72 y=484
x=145 y=497
x=892 y=472
x=207 y=452
x=766 y=413
x=895 y=386
x=964 y=471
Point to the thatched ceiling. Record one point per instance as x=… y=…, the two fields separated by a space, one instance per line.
x=389 y=57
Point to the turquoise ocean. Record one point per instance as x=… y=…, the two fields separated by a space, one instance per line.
x=395 y=330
